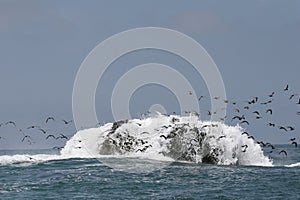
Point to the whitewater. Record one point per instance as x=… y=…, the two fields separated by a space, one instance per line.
x=161 y=138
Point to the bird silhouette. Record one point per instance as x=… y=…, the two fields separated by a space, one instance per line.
x=298 y=102
x=26 y=136
x=291 y=128
x=43 y=131
x=245 y=122
x=245 y=133
x=271 y=124
x=295 y=143
x=286 y=88
x=48 y=136
x=250 y=137
x=272 y=94
x=256 y=112
x=283 y=151
x=245 y=147
x=67 y=122
x=282 y=128
x=11 y=122
x=49 y=118
x=201 y=97
x=293 y=139
x=269 y=111
x=31 y=127
x=61 y=136
x=292 y=96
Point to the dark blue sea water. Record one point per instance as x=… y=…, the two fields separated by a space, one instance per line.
x=86 y=178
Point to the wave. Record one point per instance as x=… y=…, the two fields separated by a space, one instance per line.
x=169 y=138
x=160 y=138
x=293 y=165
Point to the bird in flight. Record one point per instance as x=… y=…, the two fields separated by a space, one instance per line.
x=11 y=122
x=292 y=96
x=61 y=136
x=245 y=147
x=291 y=128
x=272 y=94
x=50 y=136
x=245 y=122
x=49 y=118
x=26 y=136
x=201 y=97
x=286 y=88
x=295 y=143
x=67 y=122
x=282 y=128
x=271 y=124
x=256 y=112
x=44 y=131
x=31 y=127
x=269 y=111
x=283 y=151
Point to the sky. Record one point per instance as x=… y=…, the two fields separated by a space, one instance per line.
x=255 y=44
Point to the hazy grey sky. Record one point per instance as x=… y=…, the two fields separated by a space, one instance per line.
x=255 y=44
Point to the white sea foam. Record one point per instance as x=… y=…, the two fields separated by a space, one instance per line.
x=160 y=138
x=187 y=139
x=294 y=165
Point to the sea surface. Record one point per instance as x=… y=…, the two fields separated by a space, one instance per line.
x=23 y=176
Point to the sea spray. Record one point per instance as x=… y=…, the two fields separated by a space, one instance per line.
x=168 y=138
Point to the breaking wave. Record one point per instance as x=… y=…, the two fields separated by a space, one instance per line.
x=162 y=137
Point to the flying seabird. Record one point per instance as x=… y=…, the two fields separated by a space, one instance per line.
x=286 y=88
x=245 y=133
x=67 y=122
x=26 y=136
x=245 y=147
x=50 y=136
x=256 y=112
x=291 y=128
x=293 y=139
x=282 y=128
x=271 y=124
x=295 y=143
x=44 y=131
x=30 y=127
x=283 y=151
x=246 y=107
x=291 y=96
x=251 y=137
x=49 y=118
x=10 y=122
x=237 y=110
x=270 y=111
x=61 y=136
x=272 y=94
x=238 y=117
x=245 y=121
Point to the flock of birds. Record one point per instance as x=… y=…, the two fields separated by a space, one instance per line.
x=241 y=112
x=29 y=138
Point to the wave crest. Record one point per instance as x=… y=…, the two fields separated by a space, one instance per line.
x=169 y=138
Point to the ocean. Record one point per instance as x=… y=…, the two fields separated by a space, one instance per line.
x=94 y=164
